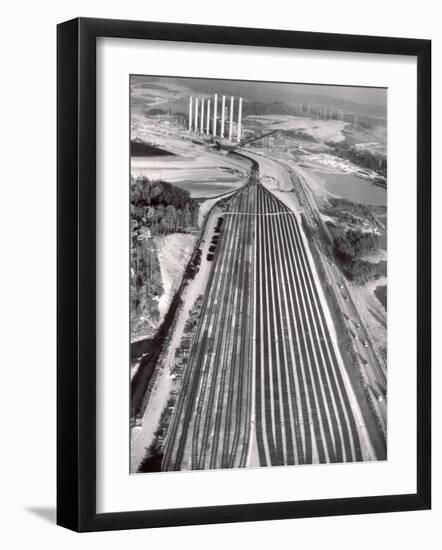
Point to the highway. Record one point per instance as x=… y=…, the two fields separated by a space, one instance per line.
x=265 y=380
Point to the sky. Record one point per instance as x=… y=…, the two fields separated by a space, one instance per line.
x=357 y=94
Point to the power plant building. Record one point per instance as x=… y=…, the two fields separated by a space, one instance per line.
x=213 y=116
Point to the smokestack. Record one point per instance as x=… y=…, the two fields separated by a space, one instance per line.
x=202 y=116
x=215 y=105
x=238 y=137
x=196 y=115
x=190 y=113
x=208 y=117
x=223 y=109
x=231 y=118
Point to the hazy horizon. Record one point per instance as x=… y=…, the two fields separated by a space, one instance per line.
x=357 y=97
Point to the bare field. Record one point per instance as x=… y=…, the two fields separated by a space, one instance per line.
x=322 y=130
x=174 y=252
x=202 y=176
x=203 y=172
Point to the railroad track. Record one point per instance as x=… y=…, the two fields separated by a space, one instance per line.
x=212 y=406
x=265 y=365
x=307 y=412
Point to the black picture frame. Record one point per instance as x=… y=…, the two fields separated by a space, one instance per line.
x=76 y=274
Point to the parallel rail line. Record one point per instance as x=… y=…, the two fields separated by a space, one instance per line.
x=265 y=365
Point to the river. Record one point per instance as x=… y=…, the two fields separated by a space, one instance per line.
x=354 y=188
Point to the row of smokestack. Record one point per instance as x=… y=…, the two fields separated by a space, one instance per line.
x=318 y=110
x=203 y=116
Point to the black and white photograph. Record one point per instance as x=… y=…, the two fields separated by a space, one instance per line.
x=258 y=274
x=220 y=258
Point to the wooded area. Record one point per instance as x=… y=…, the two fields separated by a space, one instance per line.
x=161 y=208
x=351 y=248
x=157 y=208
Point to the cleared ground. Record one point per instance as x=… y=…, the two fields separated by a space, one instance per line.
x=321 y=130
x=206 y=175
x=174 y=253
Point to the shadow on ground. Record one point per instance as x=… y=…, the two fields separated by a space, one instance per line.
x=46 y=513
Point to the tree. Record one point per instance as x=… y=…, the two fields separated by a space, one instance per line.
x=169 y=208
x=187 y=217
x=170 y=217
x=344 y=249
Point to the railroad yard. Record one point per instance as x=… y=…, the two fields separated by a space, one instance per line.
x=263 y=314
x=269 y=360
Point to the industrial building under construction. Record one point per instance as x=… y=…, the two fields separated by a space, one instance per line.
x=213 y=116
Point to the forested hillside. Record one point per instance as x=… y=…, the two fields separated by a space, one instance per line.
x=157 y=208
